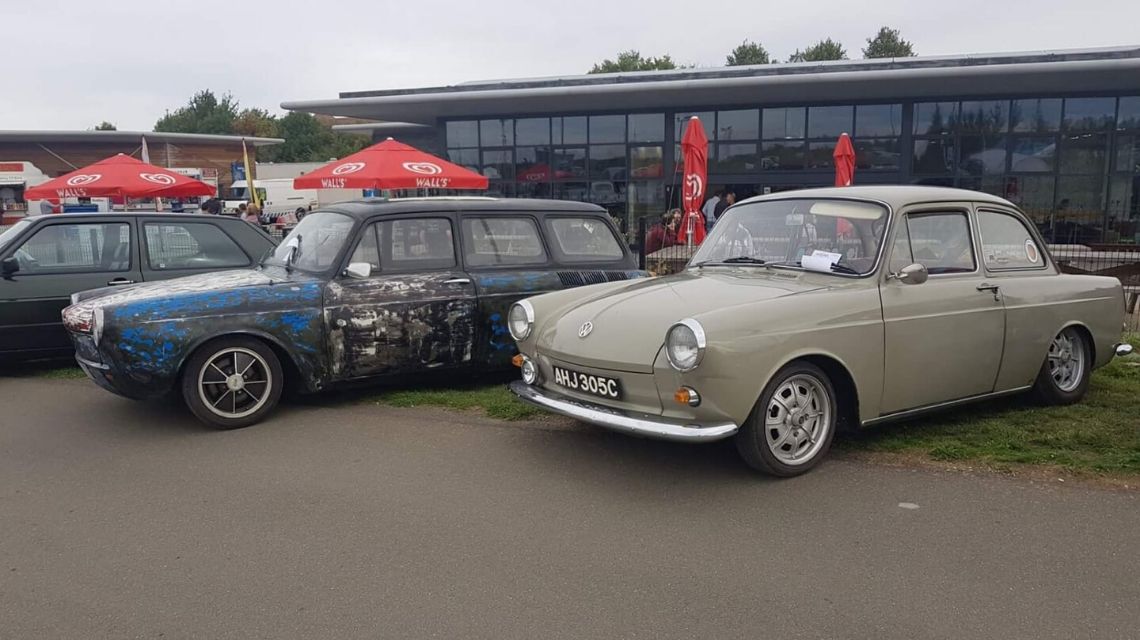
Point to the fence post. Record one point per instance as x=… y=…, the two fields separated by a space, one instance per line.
x=642 y=225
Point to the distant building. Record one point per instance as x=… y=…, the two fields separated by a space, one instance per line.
x=1056 y=132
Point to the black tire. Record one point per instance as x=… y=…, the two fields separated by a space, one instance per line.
x=221 y=400
x=1053 y=387
x=752 y=441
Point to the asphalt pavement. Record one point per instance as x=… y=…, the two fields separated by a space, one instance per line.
x=342 y=519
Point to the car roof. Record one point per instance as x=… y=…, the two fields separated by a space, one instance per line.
x=120 y=214
x=895 y=196
x=380 y=206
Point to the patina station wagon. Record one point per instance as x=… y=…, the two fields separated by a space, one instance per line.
x=804 y=312
x=357 y=291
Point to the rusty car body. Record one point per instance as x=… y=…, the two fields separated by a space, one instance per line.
x=807 y=311
x=356 y=291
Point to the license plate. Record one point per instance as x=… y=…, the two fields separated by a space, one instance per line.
x=601 y=386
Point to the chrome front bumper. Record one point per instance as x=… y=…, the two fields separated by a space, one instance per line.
x=646 y=425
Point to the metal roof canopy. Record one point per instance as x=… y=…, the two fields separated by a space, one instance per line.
x=136 y=137
x=1111 y=70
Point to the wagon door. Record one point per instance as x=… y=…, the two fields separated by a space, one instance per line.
x=413 y=312
x=944 y=337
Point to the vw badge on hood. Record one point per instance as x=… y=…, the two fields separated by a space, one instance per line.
x=585 y=329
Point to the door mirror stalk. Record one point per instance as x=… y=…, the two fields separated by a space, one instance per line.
x=911 y=274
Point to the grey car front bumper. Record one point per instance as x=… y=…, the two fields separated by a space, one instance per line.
x=640 y=425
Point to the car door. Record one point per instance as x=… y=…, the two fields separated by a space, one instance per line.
x=943 y=337
x=172 y=248
x=57 y=258
x=413 y=312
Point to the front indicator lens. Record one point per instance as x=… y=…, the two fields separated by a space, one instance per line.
x=685 y=345
x=520 y=320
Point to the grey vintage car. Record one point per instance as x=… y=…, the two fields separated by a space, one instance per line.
x=809 y=311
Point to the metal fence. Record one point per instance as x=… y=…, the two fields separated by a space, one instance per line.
x=661 y=252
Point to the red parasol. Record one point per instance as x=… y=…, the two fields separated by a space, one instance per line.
x=844 y=155
x=120 y=176
x=695 y=152
x=391 y=165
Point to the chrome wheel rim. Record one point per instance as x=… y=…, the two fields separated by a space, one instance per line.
x=1067 y=360
x=797 y=419
x=235 y=382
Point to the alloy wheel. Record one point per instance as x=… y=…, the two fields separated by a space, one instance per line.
x=1067 y=360
x=798 y=419
x=235 y=382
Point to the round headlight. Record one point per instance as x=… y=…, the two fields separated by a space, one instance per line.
x=529 y=371
x=520 y=320
x=685 y=345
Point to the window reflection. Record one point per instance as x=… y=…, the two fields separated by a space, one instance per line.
x=569 y=163
x=784 y=123
x=647 y=162
x=607 y=129
x=497 y=133
x=878 y=120
x=934 y=156
x=988 y=116
x=935 y=118
x=607 y=162
x=1037 y=115
x=1034 y=194
x=532 y=164
x=1089 y=114
x=463 y=134
x=1129 y=116
x=466 y=158
x=681 y=120
x=532 y=131
x=1083 y=153
x=782 y=155
x=1033 y=154
x=1127 y=153
x=821 y=155
x=1124 y=209
x=738 y=125
x=877 y=153
x=647 y=127
x=981 y=155
x=569 y=130
x=1079 y=211
x=499 y=164
x=829 y=122
x=734 y=158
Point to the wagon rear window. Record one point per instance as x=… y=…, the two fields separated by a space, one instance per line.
x=502 y=241
x=583 y=240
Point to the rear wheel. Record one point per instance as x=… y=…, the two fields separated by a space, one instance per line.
x=232 y=382
x=1064 y=376
x=790 y=430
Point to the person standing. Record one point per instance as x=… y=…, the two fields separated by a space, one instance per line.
x=710 y=209
x=726 y=201
x=251 y=214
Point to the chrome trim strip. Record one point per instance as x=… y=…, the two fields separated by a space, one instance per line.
x=620 y=421
x=900 y=415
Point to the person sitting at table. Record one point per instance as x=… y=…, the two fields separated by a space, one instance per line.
x=663 y=234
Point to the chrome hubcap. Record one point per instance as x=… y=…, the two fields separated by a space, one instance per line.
x=1067 y=360
x=798 y=418
x=234 y=382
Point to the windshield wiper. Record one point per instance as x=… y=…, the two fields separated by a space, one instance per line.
x=842 y=268
x=735 y=260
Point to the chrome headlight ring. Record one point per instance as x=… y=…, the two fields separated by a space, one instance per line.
x=520 y=320
x=685 y=344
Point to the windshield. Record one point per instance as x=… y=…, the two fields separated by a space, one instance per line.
x=11 y=232
x=832 y=236
x=318 y=239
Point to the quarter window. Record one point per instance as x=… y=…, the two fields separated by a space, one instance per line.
x=417 y=244
x=583 y=240
x=502 y=241
x=62 y=248
x=191 y=246
x=941 y=242
x=1007 y=243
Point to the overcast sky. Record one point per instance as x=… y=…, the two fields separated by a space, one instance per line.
x=71 y=64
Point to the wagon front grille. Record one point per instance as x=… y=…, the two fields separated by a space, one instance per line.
x=581 y=278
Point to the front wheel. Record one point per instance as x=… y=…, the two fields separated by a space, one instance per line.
x=790 y=430
x=232 y=382
x=1064 y=376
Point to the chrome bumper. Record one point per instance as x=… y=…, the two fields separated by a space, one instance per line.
x=648 y=426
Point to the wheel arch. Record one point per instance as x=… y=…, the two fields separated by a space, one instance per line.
x=842 y=381
x=289 y=365
x=1085 y=332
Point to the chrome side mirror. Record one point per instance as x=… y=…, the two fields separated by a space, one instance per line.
x=911 y=274
x=358 y=270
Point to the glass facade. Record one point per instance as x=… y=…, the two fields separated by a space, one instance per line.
x=1072 y=163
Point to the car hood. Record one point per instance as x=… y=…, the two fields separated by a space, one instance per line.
x=629 y=324
x=198 y=295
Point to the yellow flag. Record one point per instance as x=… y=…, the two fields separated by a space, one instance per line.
x=253 y=196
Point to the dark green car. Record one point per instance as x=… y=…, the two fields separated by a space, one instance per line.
x=45 y=259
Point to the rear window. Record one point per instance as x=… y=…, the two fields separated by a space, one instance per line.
x=191 y=245
x=583 y=240
x=502 y=241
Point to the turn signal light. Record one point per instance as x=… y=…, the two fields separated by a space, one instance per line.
x=687 y=396
x=518 y=360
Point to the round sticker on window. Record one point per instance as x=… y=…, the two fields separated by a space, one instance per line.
x=1031 y=252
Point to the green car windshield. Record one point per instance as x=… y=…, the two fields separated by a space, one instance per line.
x=11 y=232
x=314 y=243
x=834 y=236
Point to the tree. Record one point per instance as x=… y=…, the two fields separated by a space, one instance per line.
x=748 y=52
x=255 y=123
x=106 y=126
x=632 y=60
x=205 y=113
x=888 y=43
x=823 y=50
x=308 y=140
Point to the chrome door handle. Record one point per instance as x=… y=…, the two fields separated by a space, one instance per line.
x=992 y=288
x=458 y=281
x=119 y=281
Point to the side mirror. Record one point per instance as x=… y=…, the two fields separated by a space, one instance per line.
x=358 y=270
x=912 y=274
x=9 y=265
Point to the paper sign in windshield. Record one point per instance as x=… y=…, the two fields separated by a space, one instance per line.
x=820 y=260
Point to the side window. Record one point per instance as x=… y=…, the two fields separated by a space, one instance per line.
x=501 y=241
x=583 y=240
x=63 y=248
x=417 y=244
x=1007 y=243
x=368 y=249
x=190 y=245
x=941 y=242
